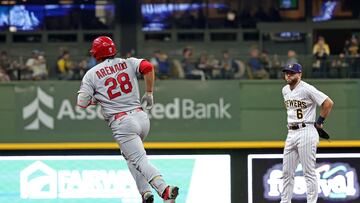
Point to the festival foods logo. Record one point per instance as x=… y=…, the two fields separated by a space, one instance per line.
x=336 y=181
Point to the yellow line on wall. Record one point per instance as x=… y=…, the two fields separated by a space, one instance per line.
x=169 y=145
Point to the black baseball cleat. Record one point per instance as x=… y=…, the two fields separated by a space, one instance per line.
x=148 y=197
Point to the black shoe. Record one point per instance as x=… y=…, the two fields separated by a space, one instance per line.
x=148 y=197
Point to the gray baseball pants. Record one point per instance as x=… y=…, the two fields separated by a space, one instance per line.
x=129 y=132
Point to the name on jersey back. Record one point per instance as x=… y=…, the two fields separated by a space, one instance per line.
x=108 y=70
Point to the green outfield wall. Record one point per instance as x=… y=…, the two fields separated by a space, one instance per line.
x=184 y=111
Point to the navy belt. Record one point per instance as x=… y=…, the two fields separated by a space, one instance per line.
x=298 y=125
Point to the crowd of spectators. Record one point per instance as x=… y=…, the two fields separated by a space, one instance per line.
x=36 y=67
x=345 y=64
x=258 y=64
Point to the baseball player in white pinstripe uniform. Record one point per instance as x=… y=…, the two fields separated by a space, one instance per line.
x=301 y=99
x=113 y=84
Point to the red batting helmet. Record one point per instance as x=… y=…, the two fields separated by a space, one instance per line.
x=103 y=47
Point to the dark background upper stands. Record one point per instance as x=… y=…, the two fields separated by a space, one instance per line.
x=211 y=28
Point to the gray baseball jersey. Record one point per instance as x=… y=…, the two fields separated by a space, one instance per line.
x=113 y=83
x=301 y=143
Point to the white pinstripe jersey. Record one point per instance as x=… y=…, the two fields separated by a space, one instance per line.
x=113 y=83
x=301 y=102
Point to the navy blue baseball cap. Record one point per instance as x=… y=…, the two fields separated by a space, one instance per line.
x=293 y=67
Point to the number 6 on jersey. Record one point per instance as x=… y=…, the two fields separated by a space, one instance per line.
x=299 y=113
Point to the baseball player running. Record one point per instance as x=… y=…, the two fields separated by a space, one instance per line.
x=113 y=84
x=300 y=100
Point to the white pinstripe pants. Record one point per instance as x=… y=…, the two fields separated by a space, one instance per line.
x=300 y=146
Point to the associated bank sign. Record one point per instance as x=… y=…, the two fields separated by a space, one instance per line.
x=35 y=116
x=40 y=181
x=43 y=111
x=34 y=108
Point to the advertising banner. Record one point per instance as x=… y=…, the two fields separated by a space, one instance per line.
x=338 y=178
x=184 y=111
x=106 y=179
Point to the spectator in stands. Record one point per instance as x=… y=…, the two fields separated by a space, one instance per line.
x=19 y=69
x=204 y=65
x=346 y=47
x=353 y=48
x=83 y=66
x=339 y=66
x=80 y=69
x=228 y=66
x=5 y=63
x=155 y=58
x=256 y=67
x=276 y=67
x=321 y=51
x=291 y=57
x=65 y=66
x=161 y=63
x=3 y=75
x=214 y=65
x=90 y=61
x=164 y=66
x=265 y=60
x=37 y=65
x=189 y=65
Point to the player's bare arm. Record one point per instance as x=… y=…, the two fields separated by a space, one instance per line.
x=147 y=69
x=149 y=75
x=326 y=107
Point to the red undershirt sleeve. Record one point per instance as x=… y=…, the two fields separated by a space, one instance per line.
x=145 y=67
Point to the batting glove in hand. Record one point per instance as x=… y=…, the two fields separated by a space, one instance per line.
x=147 y=100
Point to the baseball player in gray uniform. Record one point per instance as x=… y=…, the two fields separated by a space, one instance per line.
x=113 y=84
x=301 y=99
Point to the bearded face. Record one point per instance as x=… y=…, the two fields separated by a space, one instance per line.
x=292 y=78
